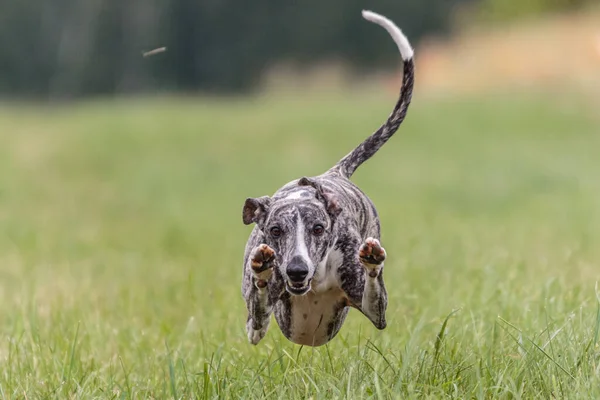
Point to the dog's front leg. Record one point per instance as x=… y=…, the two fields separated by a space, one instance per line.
x=258 y=276
x=374 y=299
x=367 y=290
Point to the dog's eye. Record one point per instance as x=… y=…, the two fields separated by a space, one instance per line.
x=318 y=230
x=275 y=231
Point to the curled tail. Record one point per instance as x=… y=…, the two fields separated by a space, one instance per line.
x=347 y=165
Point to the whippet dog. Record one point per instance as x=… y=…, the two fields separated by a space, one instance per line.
x=315 y=251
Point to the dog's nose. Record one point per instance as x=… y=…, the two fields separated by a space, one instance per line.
x=297 y=270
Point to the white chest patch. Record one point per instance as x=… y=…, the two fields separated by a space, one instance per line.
x=317 y=316
x=319 y=313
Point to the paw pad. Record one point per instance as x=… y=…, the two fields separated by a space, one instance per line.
x=261 y=262
x=371 y=253
x=262 y=258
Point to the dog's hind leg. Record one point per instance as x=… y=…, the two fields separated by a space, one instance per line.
x=367 y=293
x=258 y=273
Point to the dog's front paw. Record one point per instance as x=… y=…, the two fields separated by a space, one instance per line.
x=372 y=255
x=262 y=260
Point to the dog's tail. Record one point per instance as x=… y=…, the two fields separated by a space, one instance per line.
x=347 y=165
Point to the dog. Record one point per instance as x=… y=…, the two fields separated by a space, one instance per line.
x=314 y=251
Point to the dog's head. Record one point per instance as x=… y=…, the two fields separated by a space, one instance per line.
x=300 y=228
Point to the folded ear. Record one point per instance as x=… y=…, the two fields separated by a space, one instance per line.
x=255 y=210
x=328 y=198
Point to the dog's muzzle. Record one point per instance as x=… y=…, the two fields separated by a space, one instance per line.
x=297 y=271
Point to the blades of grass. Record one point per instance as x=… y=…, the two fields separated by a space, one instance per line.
x=217 y=356
x=373 y=369
x=490 y=352
x=549 y=343
x=280 y=359
x=440 y=336
x=371 y=346
x=521 y=345
x=377 y=387
x=67 y=373
x=437 y=346
x=302 y=370
x=10 y=366
x=553 y=335
x=509 y=324
x=330 y=359
x=221 y=384
x=462 y=369
x=421 y=366
x=597 y=328
x=127 y=386
x=171 y=373
x=594 y=338
x=206 y=386
x=258 y=371
x=185 y=377
x=411 y=345
x=519 y=342
x=349 y=393
x=550 y=358
x=540 y=350
x=298 y=353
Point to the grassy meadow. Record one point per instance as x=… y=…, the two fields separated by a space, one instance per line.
x=121 y=243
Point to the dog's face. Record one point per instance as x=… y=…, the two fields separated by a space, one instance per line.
x=300 y=229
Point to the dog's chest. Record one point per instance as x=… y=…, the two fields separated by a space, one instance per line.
x=316 y=317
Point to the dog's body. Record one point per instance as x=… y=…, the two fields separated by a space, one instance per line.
x=315 y=248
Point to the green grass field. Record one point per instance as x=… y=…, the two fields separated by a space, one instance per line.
x=122 y=240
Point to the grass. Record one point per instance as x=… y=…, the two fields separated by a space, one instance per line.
x=122 y=240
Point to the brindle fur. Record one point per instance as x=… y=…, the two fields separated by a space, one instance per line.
x=342 y=263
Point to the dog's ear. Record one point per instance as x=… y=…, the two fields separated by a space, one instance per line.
x=255 y=210
x=329 y=199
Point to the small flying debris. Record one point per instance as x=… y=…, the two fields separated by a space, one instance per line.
x=155 y=51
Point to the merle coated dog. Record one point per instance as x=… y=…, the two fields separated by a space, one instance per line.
x=314 y=251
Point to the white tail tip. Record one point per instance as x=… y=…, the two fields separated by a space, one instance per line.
x=401 y=41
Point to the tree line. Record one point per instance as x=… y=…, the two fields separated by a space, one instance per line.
x=74 y=48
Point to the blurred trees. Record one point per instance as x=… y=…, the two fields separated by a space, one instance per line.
x=501 y=10
x=71 y=48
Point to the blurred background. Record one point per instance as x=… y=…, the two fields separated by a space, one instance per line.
x=122 y=180
x=71 y=49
